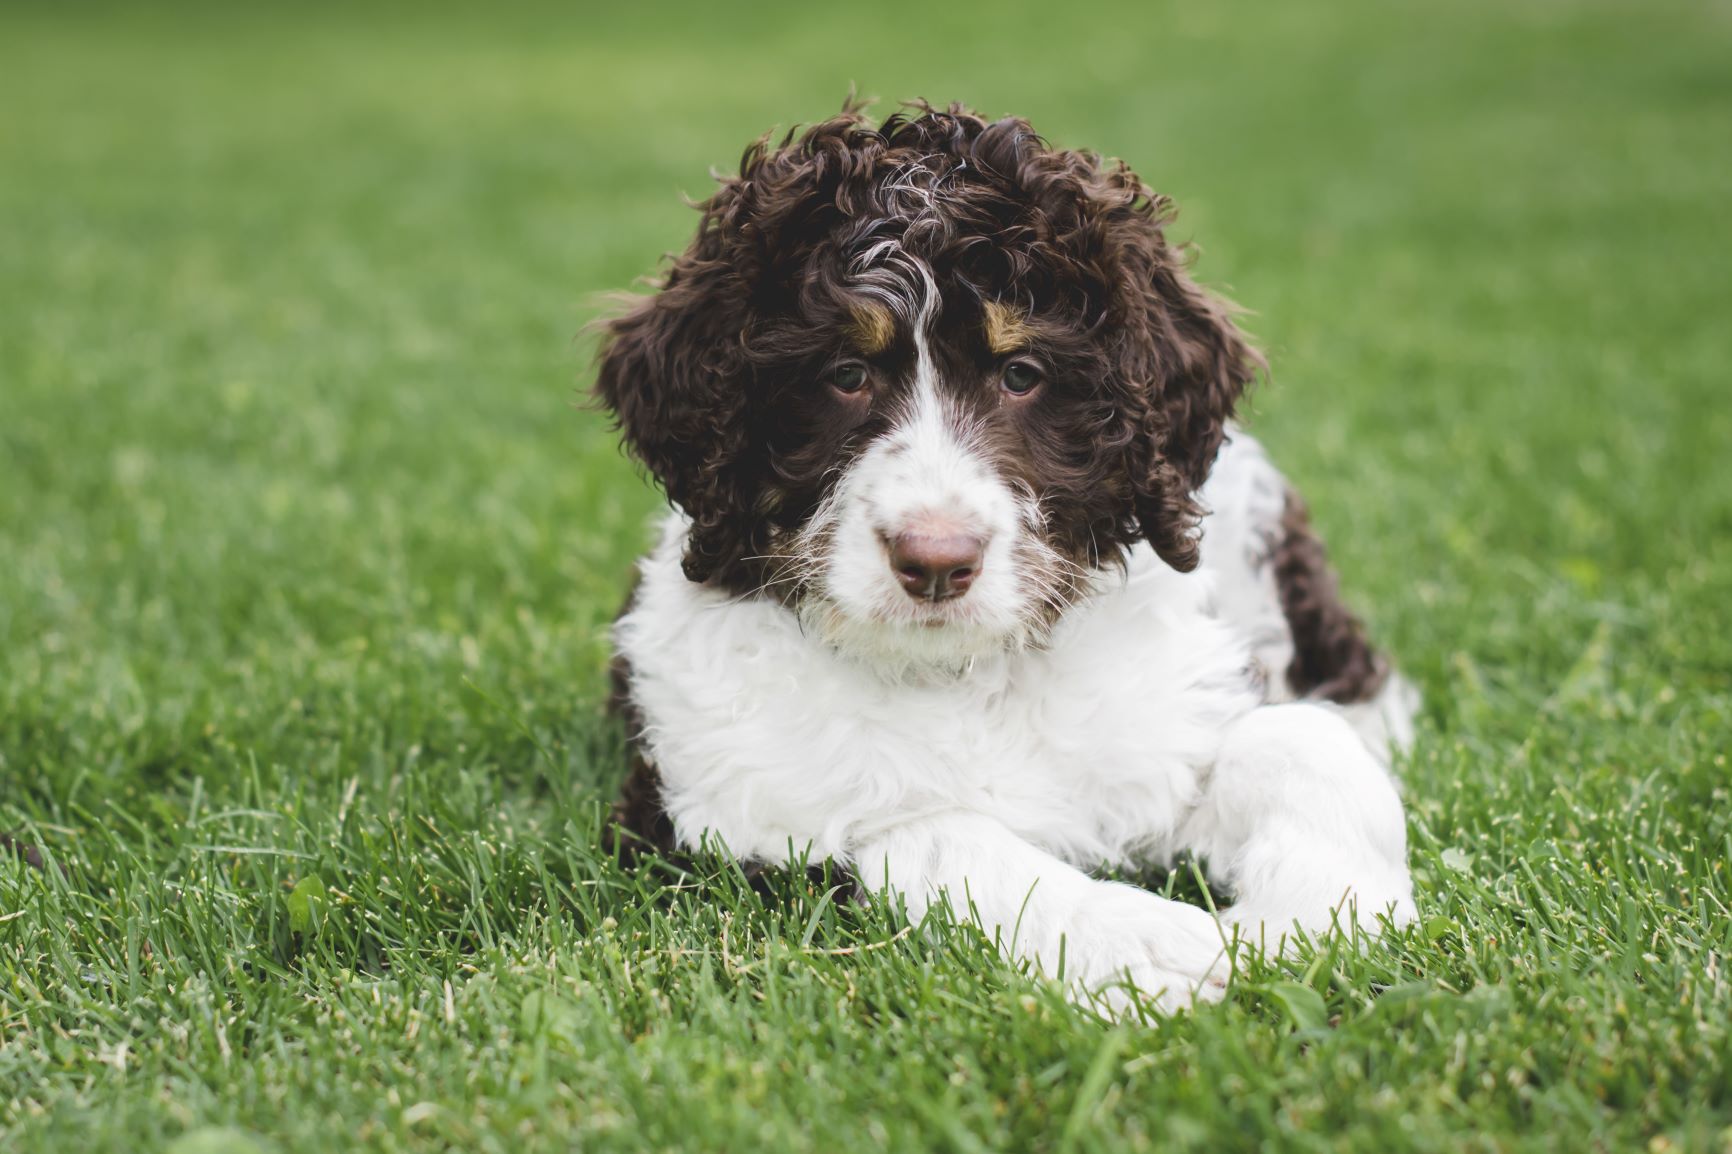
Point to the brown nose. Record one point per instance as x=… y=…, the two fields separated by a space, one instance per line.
x=936 y=566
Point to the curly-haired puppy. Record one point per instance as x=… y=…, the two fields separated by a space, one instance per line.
x=970 y=583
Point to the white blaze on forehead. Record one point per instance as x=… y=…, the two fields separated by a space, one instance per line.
x=883 y=271
x=881 y=265
x=925 y=375
x=929 y=427
x=933 y=466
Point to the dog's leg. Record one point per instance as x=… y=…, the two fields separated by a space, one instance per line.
x=1115 y=943
x=1302 y=825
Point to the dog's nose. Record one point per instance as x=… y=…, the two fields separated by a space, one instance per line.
x=936 y=566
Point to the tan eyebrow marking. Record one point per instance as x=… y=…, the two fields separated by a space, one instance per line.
x=1006 y=329
x=871 y=328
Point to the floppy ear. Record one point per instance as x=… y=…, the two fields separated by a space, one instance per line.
x=1184 y=364
x=673 y=371
x=676 y=368
x=1176 y=363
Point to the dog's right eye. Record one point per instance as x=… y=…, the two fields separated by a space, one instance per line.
x=1021 y=378
x=848 y=378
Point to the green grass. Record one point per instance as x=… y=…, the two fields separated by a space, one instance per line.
x=306 y=556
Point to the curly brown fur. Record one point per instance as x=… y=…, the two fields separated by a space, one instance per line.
x=710 y=378
x=1331 y=657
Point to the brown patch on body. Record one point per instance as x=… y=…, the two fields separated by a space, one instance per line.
x=1331 y=657
x=638 y=823
x=1006 y=329
x=871 y=328
x=638 y=813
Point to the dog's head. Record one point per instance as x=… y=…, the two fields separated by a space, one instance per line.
x=920 y=380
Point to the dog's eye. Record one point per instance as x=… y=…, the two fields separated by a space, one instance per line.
x=848 y=378
x=1021 y=378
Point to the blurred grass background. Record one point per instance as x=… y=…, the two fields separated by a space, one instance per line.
x=307 y=551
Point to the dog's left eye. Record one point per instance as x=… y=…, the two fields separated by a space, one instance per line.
x=848 y=378
x=1021 y=378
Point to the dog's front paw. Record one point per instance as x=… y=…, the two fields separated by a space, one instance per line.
x=1126 y=948
x=1384 y=901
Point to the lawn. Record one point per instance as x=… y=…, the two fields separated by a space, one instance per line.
x=308 y=548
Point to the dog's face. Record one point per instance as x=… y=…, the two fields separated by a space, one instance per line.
x=920 y=381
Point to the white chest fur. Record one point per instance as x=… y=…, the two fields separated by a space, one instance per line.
x=1094 y=747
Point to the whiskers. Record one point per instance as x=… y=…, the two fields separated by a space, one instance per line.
x=794 y=568
x=843 y=595
x=791 y=573
x=1051 y=581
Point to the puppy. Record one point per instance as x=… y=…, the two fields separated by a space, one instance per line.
x=970 y=583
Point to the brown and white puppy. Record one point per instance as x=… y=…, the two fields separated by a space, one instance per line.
x=970 y=583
